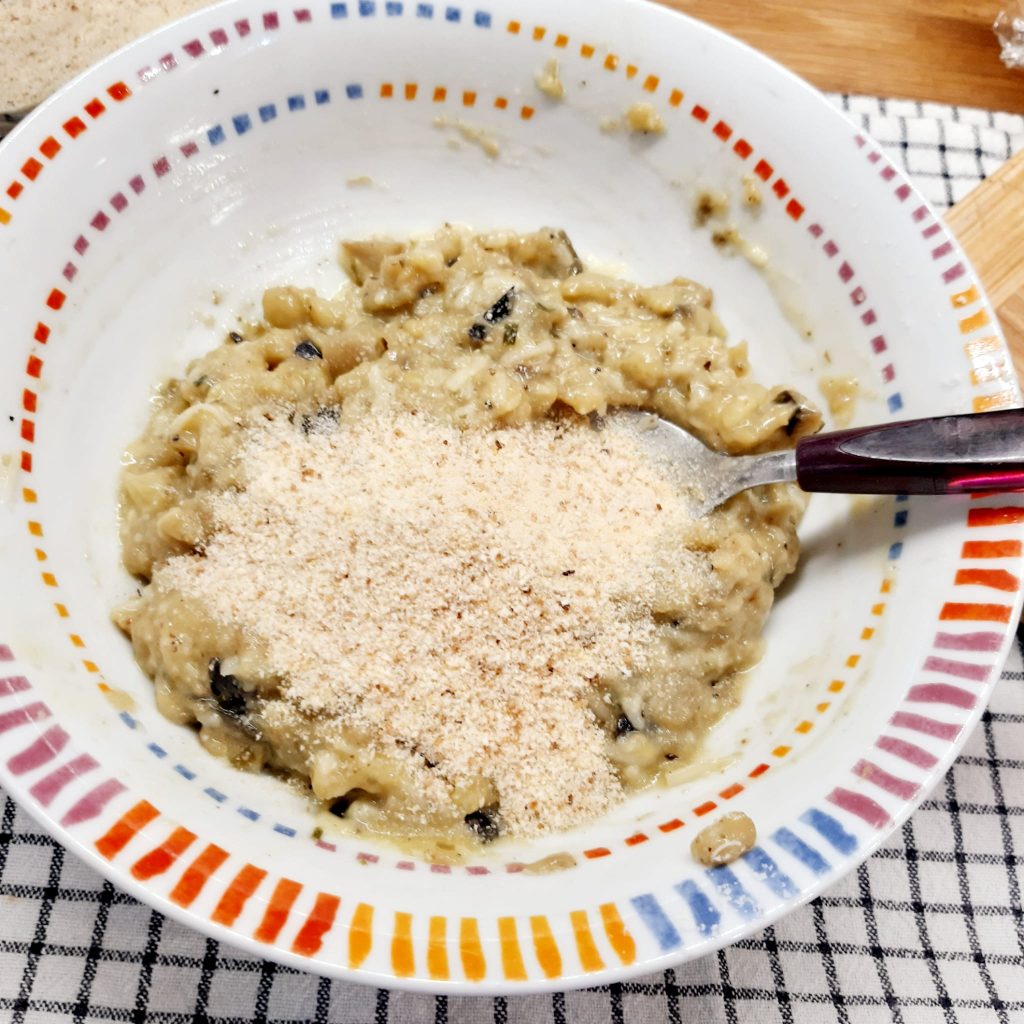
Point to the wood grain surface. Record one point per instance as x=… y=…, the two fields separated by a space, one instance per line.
x=940 y=50
x=990 y=225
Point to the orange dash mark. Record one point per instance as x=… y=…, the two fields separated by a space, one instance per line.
x=50 y=147
x=965 y=298
x=587 y=51
x=402 y=961
x=636 y=839
x=468 y=98
x=121 y=833
x=705 y=808
x=62 y=611
x=387 y=90
x=280 y=906
x=836 y=686
x=822 y=707
x=28 y=400
x=729 y=792
x=977 y=347
x=974 y=322
x=995 y=516
x=611 y=62
x=546 y=948
x=410 y=90
x=514 y=27
x=885 y=587
x=631 y=70
x=805 y=726
x=675 y=98
x=590 y=959
x=561 y=41
x=526 y=113
x=471 y=953
x=158 y=860
x=197 y=874
x=318 y=924
x=781 y=751
x=36 y=529
x=758 y=770
x=991 y=549
x=597 y=851
x=670 y=826
x=954 y=611
x=651 y=83
x=1000 y=400
x=501 y=103
x=49 y=579
x=437 y=950
x=997 y=579
x=867 y=633
x=440 y=94
x=40 y=555
x=852 y=661
x=878 y=609
x=5 y=217
x=618 y=935
x=511 y=954
x=360 y=935
x=237 y=894
x=90 y=666
x=538 y=33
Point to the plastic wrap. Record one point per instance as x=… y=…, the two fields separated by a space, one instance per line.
x=1009 y=27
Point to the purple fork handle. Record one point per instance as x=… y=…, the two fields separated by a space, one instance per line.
x=944 y=455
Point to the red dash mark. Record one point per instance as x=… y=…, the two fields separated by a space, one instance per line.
x=31 y=168
x=636 y=839
x=34 y=366
x=55 y=299
x=28 y=400
x=884 y=780
x=28 y=431
x=94 y=108
x=42 y=332
x=699 y=113
x=597 y=851
x=997 y=579
x=743 y=149
x=862 y=806
x=121 y=833
x=952 y=610
x=670 y=826
x=50 y=147
x=119 y=92
x=995 y=516
x=927 y=726
x=26 y=462
x=157 y=861
x=318 y=924
x=991 y=549
x=763 y=170
x=794 y=209
x=780 y=188
x=285 y=893
x=197 y=874
x=722 y=130
x=15 y=189
x=237 y=894
x=74 y=127
x=705 y=808
x=759 y=770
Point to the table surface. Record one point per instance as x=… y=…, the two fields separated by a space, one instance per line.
x=939 y=50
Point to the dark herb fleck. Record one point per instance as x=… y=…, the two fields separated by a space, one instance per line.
x=340 y=806
x=502 y=308
x=478 y=332
x=623 y=726
x=484 y=823
x=323 y=416
x=511 y=333
x=226 y=692
x=306 y=349
x=236 y=337
x=568 y=572
x=318 y=833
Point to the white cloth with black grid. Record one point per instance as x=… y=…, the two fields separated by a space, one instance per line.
x=929 y=929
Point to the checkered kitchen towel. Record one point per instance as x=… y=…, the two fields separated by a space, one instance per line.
x=930 y=929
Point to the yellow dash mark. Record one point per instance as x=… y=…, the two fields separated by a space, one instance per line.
x=36 y=529
x=1000 y=400
x=29 y=496
x=5 y=217
x=836 y=685
x=402 y=961
x=360 y=935
x=548 y=957
x=961 y=299
x=61 y=611
x=474 y=966
x=781 y=751
x=852 y=660
x=974 y=322
x=823 y=707
x=437 y=950
x=805 y=726
x=877 y=609
x=977 y=347
x=618 y=935
x=867 y=633
x=590 y=959
x=511 y=955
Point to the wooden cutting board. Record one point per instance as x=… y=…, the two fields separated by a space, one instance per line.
x=990 y=226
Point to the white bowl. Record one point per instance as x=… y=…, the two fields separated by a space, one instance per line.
x=152 y=199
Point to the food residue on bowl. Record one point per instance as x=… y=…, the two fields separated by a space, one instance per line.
x=550 y=82
x=724 y=840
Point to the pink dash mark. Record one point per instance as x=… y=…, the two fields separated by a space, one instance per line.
x=100 y=221
x=858 y=296
x=969 y=641
x=12 y=685
x=46 y=748
x=941 y=693
x=868 y=317
x=324 y=845
x=922 y=724
x=931 y=230
x=189 y=150
x=878 y=344
x=902 y=193
x=161 y=166
x=6 y=654
x=168 y=62
x=514 y=868
x=943 y=250
x=81 y=244
x=862 y=806
x=69 y=271
x=830 y=248
x=908 y=751
x=884 y=780
x=242 y=27
x=860 y=140
x=194 y=48
x=477 y=869
x=219 y=37
x=888 y=173
x=367 y=858
x=303 y=15
x=270 y=21
x=36 y=712
x=816 y=230
x=920 y=213
x=955 y=271
x=874 y=157
x=147 y=74
x=961 y=669
x=405 y=865
x=50 y=785
x=93 y=802
x=845 y=272
x=440 y=869
x=119 y=202
x=888 y=373
x=137 y=185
